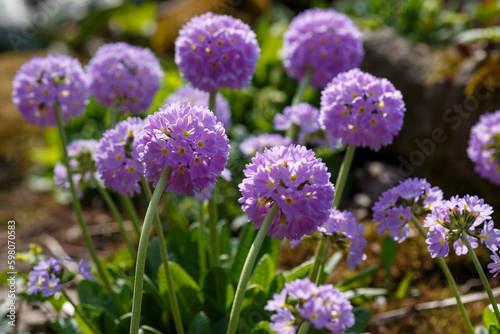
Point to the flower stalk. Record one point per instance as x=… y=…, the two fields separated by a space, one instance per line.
x=322 y=249
x=143 y=247
x=247 y=269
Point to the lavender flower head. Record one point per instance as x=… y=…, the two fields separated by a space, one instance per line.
x=484 y=146
x=361 y=110
x=117 y=159
x=253 y=144
x=394 y=207
x=302 y=115
x=187 y=138
x=46 y=276
x=42 y=83
x=188 y=93
x=81 y=161
x=293 y=179
x=124 y=77
x=324 y=307
x=324 y=42
x=216 y=51
x=449 y=219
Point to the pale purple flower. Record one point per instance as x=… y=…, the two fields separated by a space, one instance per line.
x=187 y=138
x=124 y=77
x=84 y=269
x=494 y=266
x=81 y=161
x=216 y=51
x=361 y=110
x=324 y=307
x=188 y=93
x=324 y=42
x=484 y=146
x=253 y=144
x=41 y=84
x=51 y=264
x=438 y=242
x=394 y=207
x=117 y=159
x=295 y=180
x=450 y=219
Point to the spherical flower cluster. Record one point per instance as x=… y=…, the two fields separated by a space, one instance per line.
x=187 y=138
x=394 y=207
x=216 y=51
x=303 y=115
x=324 y=42
x=46 y=275
x=293 y=179
x=188 y=93
x=484 y=146
x=324 y=307
x=450 y=219
x=81 y=161
x=253 y=144
x=117 y=159
x=361 y=110
x=124 y=77
x=43 y=84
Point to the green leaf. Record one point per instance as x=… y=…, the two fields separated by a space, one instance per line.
x=252 y=310
x=218 y=293
x=277 y=285
x=224 y=238
x=245 y=242
x=262 y=328
x=65 y=326
x=300 y=271
x=263 y=273
x=183 y=245
x=494 y=330
x=489 y=317
x=150 y=330
x=186 y=289
x=363 y=316
x=404 y=286
x=388 y=255
x=94 y=294
x=153 y=258
x=332 y=262
x=200 y=324
x=358 y=278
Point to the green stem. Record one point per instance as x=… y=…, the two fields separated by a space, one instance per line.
x=143 y=247
x=131 y=214
x=114 y=210
x=113 y=115
x=339 y=189
x=201 y=242
x=480 y=271
x=80 y=313
x=304 y=83
x=212 y=207
x=78 y=211
x=449 y=277
x=247 y=269
x=164 y=258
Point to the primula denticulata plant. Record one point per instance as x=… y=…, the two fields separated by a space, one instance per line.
x=212 y=284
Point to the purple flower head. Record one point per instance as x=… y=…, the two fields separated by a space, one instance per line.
x=84 y=269
x=494 y=266
x=361 y=110
x=216 y=51
x=42 y=83
x=306 y=118
x=394 y=207
x=450 y=219
x=50 y=265
x=117 y=159
x=45 y=277
x=188 y=93
x=324 y=42
x=484 y=146
x=81 y=161
x=124 y=77
x=253 y=144
x=347 y=234
x=187 y=138
x=324 y=307
x=293 y=179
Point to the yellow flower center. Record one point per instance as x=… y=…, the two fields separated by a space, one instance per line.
x=200 y=144
x=271 y=184
x=164 y=150
x=289 y=201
